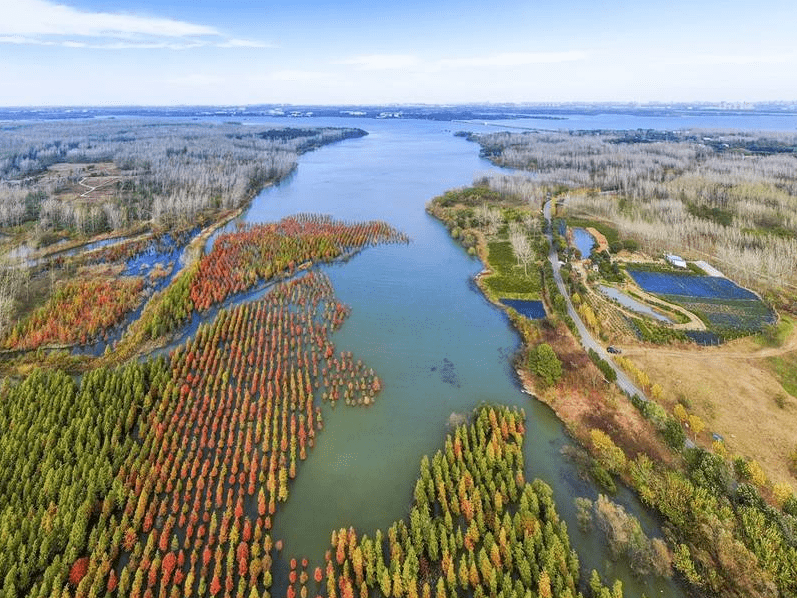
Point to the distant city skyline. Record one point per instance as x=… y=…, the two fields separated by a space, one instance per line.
x=86 y=52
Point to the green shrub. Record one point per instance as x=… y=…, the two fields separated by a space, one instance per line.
x=674 y=434
x=603 y=478
x=545 y=364
x=604 y=366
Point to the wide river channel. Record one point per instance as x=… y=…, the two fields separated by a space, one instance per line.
x=419 y=321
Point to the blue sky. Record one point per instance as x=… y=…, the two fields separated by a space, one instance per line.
x=85 y=52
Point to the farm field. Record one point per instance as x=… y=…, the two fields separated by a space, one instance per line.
x=690 y=285
x=726 y=308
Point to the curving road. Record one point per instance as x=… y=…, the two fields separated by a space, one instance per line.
x=587 y=341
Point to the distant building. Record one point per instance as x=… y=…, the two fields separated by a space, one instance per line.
x=676 y=260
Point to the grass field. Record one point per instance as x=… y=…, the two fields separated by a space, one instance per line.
x=739 y=390
x=784 y=367
x=509 y=279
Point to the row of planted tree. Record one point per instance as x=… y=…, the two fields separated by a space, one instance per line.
x=163 y=478
x=256 y=253
x=81 y=310
x=475 y=528
x=219 y=431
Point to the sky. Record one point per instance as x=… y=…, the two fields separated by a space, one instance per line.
x=235 y=52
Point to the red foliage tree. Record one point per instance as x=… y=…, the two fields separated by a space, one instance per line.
x=215 y=585
x=113 y=581
x=78 y=570
x=167 y=567
x=242 y=555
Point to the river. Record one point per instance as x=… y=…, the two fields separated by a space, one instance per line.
x=437 y=344
x=417 y=319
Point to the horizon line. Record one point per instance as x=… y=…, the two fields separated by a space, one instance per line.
x=410 y=104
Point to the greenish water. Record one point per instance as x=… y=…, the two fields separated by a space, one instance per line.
x=437 y=344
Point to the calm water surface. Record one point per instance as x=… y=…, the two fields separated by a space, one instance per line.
x=632 y=303
x=583 y=241
x=419 y=321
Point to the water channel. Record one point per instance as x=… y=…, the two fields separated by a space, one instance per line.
x=437 y=344
x=633 y=304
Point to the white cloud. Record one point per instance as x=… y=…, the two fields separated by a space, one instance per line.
x=511 y=59
x=381 y=62
x=45 y=23
x=409 y=62
x=146 y=45
x=23 y=40
x=40 y=17
x=244 y=43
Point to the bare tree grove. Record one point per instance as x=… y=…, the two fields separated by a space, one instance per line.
x=727 y=196
x=167 y=171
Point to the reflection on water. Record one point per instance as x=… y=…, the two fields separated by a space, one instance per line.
x=534 y=310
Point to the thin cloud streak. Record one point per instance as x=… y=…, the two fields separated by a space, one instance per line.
x=409 y=62
x=244 y=43
x=39 y=17
x=512 y=59
x=43 y=23
x=382 y=62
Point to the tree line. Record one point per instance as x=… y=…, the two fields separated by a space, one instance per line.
x=168 y=171
x=719 y=195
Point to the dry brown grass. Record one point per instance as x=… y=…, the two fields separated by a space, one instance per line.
x=582 y=400
x=732 y=389
x=97 y=181
x=603 y=244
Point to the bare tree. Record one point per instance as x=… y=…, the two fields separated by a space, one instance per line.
x=520 y=245
x=700 y=193
x=12 y=279
x=172 y=171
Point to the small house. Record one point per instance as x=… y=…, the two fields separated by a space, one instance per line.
x=676 y=260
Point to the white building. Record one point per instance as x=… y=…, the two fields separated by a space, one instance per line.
x=676 y=260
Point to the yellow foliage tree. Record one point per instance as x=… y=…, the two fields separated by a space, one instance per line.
x=696 y=424
x=656 y=391
x=609 y=454
x=544 y=585
x=757 y=475
x=642 y=378
x=719 y=449
x=680 y=412
x=782 y=491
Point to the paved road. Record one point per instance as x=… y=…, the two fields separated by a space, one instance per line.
x=623 y=381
